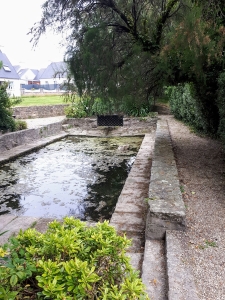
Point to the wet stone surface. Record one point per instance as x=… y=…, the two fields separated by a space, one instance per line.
x=66 y=178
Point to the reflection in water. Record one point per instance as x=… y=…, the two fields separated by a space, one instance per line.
x=77 y=176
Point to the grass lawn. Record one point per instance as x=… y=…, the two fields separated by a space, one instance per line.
x=41 y=100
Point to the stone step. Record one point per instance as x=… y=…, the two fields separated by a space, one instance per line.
x=181 y=285
x=154 y=269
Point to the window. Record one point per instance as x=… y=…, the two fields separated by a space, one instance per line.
x=10 y=85
x=6 y=68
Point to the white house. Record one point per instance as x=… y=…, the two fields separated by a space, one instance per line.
x=27 y=76
x=54 y=74
x=9 y=74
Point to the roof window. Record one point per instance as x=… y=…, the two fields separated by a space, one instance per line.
x=6 y=68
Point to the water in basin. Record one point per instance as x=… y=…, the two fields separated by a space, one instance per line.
x=76 y=176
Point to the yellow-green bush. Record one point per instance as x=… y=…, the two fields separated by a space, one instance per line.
x=69 y=261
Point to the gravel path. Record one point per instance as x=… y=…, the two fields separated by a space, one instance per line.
x=201 y=168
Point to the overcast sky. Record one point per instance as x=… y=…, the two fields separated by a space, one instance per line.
x=17 y=17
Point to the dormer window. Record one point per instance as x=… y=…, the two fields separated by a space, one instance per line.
x=6 y=68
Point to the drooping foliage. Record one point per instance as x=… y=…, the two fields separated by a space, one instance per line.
x=113 y=46
x=125 y=51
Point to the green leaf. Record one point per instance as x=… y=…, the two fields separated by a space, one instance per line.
x=13 y=280
x=21 y=275
x=1 y=233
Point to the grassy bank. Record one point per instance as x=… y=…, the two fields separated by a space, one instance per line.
x=41 y=100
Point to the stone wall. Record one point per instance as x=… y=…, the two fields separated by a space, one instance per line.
x=18 y=138
x=39 y=111
x=127 y=122
x=166 y=210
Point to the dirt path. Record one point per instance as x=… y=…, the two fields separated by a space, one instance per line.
x=201 y=168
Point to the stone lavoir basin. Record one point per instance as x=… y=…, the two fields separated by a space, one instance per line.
x=76 y=176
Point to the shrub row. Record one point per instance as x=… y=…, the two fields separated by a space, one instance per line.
x=186 y=107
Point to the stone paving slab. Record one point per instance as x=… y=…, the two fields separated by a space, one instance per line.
x=17 y=224
x=154 y=270
x=120 y=228
x=5 y=220
x=142 y=183
x=141 y=170
x=128 y=218
x=126 y=193
x=181 y=285
x=136 y=260
x=129 y=207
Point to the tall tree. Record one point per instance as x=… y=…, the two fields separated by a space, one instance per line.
x=127 y=49
x=113 y=45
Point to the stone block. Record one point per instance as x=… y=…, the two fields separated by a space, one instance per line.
x=156 y=226
x=4 y=220
x=128 y=218
x=154 y=270
x=180 y=279
x=135 y=260
x=166 y=209
x=17 y=224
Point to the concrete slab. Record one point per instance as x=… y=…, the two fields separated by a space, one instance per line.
x=17 y=224
x=143 y=184
x=154 y=270
x=140 y=193
x=166 y=207
x=130 y=207
x=123 y=228
x=42 y=224
x=128 y=218
x=136 y=260
x=5 y=220
x=141 y=170
x=181 y=284
x=136 y=180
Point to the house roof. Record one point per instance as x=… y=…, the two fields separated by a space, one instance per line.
x=51 y=70
x=7 y=71
x=21 y=72
x=17 y=68
x=35 y=71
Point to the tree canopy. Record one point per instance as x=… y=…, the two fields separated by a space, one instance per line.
x=127 y=50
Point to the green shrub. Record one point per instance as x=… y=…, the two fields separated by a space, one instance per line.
x=75 y=110
x=7 y=121
x=136 y=108
x=101 y=107
x=20 y=125
x=184 y=105
x=221 y=105
x=69 y=261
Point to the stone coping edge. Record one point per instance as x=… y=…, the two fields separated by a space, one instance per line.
x=12 y=140
x=166 y=210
